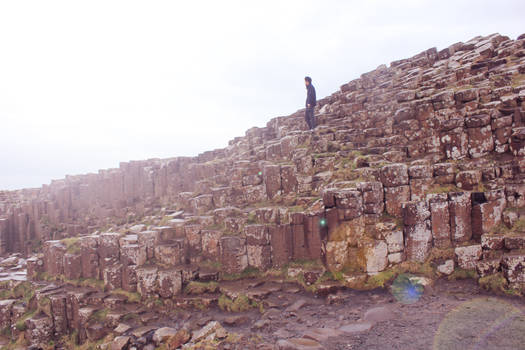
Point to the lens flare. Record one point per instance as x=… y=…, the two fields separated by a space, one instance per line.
x=407 y=288
x=260 y=173
x=482 y=324
x=322 y=222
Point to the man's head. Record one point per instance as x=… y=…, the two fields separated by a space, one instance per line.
x=307 y=81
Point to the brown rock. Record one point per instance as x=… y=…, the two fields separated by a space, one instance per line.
x=418 y=241
x=513 y=267
x=120 y=343
x=282 y=244
x=440 y=221
x=181 y=337
x=487 y=267
x=394 y=175
x=169 y=283
x=394 y=199
x=468 y=180
x=460 y=216
x=233 y=253
x=468 y=256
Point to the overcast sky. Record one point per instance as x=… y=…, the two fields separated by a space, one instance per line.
x=87 y=84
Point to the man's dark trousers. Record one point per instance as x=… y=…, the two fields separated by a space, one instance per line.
x=310 y=118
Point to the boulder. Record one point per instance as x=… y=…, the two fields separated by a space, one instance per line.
x=513 y=267
x=468 y=256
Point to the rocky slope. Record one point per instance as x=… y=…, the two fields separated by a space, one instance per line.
x=416 y=167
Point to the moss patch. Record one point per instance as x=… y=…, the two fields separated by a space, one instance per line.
x=494 y=283
x=241 y=303
x=131 y=297
x=72 y=245
x=249 y=272
x=195 y=287
x=461 y=274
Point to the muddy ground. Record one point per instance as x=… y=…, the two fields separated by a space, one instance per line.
x=448 y=315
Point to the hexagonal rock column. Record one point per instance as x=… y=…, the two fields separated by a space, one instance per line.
x=418 y=236
x=35 y=264
x=108 y=251
x=479 y=132
x=314 y=233
x=171 y=253
x=373 y=197
x=59 y=314
x=194 y=242
x=133 y=254
x=373 y=255
x=6 y=309
x=440 y=220
x=487 y=210
x=395 y=181
x=54 y=257
x=72 y=266
x=517 y=143
x=211 y=244
x=148 y=240
x=454 y=139
x=147 y=280
x=282 y=244
x=39 y=329
x=169 y=282
x=420 y=181
x=112 y=276
x=89 y=256
x=233 y=253
x=349 y=203
x=258 y=246
x=272 y=180
x=460 y=210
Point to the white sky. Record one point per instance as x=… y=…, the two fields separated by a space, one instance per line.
x=86 y=84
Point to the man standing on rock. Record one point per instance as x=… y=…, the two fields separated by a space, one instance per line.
x=310 y=103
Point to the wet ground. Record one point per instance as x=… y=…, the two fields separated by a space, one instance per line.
x=448 y=315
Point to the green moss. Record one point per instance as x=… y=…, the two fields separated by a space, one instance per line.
x=306 y=263
x=20 y=324
x=252 y=219
x=72 y=245
x=380 y=279
x=195 y=287
x=241 y=303
x=461 y=274
x=100 y=315
x=91 y=282
x=249 y=272
x=22 y=291
x=131 y=297
x=519 y=225
x=441 y=188
x=494 y=283
x=213 y=265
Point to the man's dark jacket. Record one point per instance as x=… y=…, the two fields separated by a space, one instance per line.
x=310 y=96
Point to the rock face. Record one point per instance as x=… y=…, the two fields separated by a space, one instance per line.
x=423 y=155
